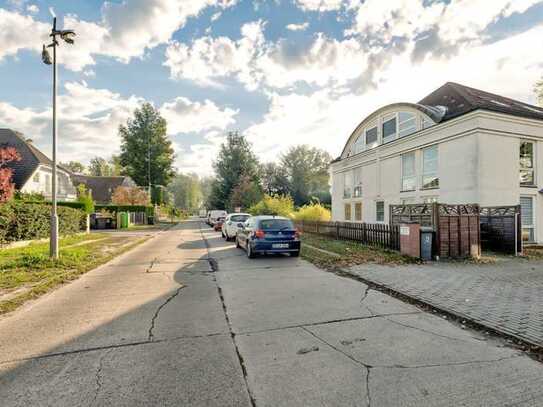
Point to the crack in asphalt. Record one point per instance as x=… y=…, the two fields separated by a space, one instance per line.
x=114 y=346
x=358 y=362
x=157 y=312
x=332 y=321
x=215 y=267
x=98 y=375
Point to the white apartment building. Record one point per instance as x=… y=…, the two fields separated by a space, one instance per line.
x=457 y=145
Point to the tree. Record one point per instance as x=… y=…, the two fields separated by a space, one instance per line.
x=187 y=192
x=84 y=196
x=100 y=167
x=538 y=89
x=275 y=180
x=74 y=166
x=130 y=196
x=236 y=160
x=246 y=193
x=7 y=155
x=307 y=172
x=145 y=146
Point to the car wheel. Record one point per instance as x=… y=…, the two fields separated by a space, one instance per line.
x=295 y=254
x=250 y=253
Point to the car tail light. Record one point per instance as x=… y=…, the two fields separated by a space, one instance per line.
x=259 y=234
x=297 y=234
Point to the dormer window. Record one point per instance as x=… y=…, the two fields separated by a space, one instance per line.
x=407 y=123
x=371 y=137
x=389 y=128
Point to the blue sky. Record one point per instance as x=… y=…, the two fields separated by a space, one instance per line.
x=283 y=72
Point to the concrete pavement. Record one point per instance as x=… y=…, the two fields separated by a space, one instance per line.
x=186 y=319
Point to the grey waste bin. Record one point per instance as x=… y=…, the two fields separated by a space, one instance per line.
x=426 y=238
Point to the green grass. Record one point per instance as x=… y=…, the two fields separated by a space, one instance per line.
x=28 y=272
x=351 y=253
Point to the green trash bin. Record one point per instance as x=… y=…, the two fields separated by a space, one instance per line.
x=124 y=220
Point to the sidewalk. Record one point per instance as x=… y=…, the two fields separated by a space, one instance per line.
x=506 y=297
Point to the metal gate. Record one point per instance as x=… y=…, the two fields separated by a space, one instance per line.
x=501 y=229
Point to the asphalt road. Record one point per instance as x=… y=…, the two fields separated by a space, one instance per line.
x=187 y=320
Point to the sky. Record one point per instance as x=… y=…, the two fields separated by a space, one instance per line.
x=282 y=72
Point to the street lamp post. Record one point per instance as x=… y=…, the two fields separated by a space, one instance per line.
x=67 y=36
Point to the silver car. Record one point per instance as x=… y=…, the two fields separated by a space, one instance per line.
x=232 y=223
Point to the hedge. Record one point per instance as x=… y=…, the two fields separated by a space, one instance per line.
x=28 y=221
x=68 y=204
x=149 y=210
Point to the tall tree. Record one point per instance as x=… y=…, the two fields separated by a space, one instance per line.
x=275 y=179
x=307 y=172
x=74 y=166
x=245 y=194
x=538 y=89
x=100 y=167
x=186 y=191
x=146 y=152
x=236 y=160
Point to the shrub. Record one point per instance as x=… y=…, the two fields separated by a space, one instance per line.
x=313 y=212
x=273 y=205
x=149 y=210
x=28 y=221
x=85 y=197
x=29 y=196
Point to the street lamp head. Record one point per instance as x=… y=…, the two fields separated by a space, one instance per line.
x=68 y=36
x=45 y=57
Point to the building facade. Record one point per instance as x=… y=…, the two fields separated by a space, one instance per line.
x=457 y=145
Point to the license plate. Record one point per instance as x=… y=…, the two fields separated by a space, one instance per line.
x=280 y=246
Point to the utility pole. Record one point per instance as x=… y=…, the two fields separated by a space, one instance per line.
x=67 y=36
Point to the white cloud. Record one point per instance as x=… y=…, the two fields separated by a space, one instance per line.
x=298 y=27
x=186 y=116
x=126 y=29
x=19 y=32
x=320 y=5
x=32 y=8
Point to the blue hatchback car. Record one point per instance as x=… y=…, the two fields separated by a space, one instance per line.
x=268 y=234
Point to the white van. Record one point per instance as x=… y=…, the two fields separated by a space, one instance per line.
x=212 y=216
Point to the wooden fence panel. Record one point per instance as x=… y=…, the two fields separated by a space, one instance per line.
x=385 y=236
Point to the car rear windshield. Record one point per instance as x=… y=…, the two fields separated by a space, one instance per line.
x=276 y=224
x=239 y=218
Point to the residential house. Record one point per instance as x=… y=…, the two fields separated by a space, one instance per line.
x=33 y=173
x=102 y=188
x=457 y=145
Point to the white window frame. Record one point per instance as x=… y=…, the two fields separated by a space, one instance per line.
x=413 y=176
x=376 y=142
x=533 y=168
x=359 y=144
x=377 y=211
x=347 y=186
x=532 y=226
x=387 y=118
x=357 y=182
x=413 y=119
x=427 y=173
x=361 y=206
x=36 y=177
x=345 y=205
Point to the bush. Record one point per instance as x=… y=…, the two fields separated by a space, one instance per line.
x=273 y=205
x=84 y=197
x=29 y=221
x=313 y=212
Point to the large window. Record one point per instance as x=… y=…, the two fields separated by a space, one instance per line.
x=409 y=179
x=527 y=163
x=528 y=221
x=347 y=184
x=347 y=211
x=389 y=128
x=427 y=123
x=357 y=191
x=407 y=123
x=380 y=211
x=358 y=211
x=371 y=137
x=430 y=177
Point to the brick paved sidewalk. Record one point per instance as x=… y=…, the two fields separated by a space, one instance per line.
x=507 y=296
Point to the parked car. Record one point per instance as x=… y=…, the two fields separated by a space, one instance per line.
x=218 y=224
x=213 y=215
x=268 y=234
x=232 y=223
